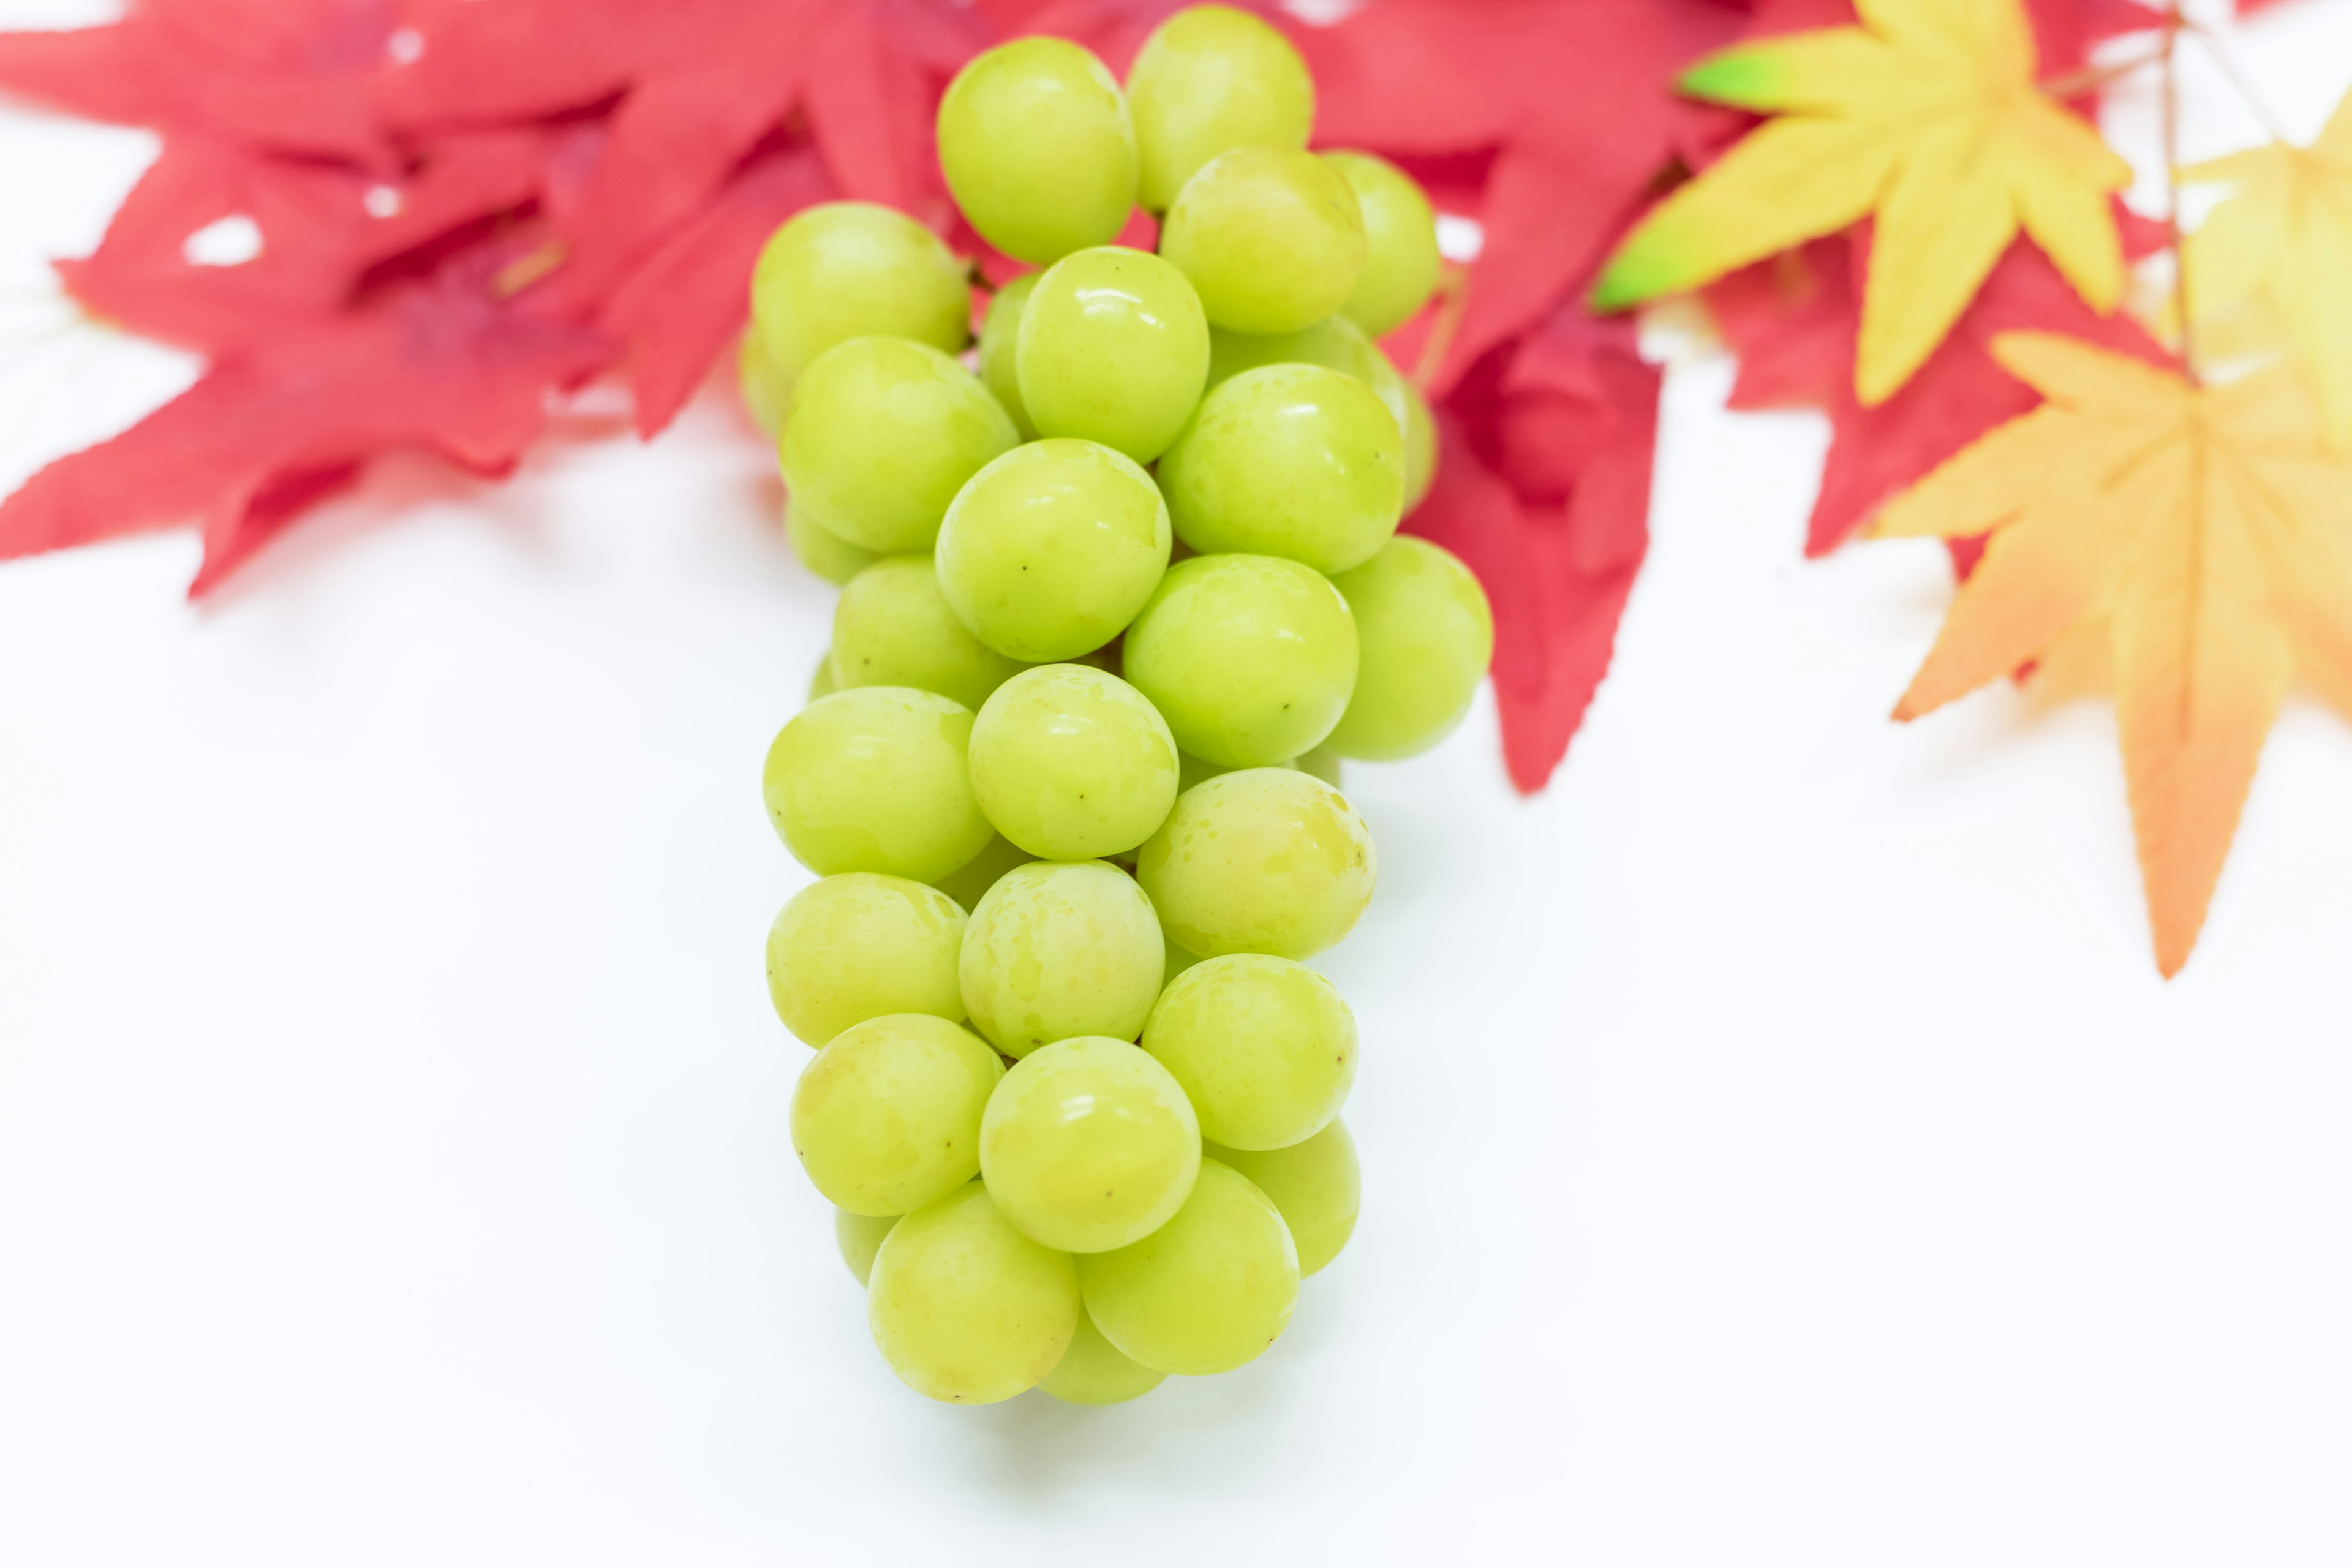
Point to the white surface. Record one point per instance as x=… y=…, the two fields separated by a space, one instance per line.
x=1779 y=1148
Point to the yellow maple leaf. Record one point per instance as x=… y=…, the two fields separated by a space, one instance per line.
x=1927 y=116
x=2285 y=240
x=2207 y=530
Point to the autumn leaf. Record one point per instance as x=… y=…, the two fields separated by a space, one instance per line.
x=1928 y=117
x=2285 y=240
x=2203 y=535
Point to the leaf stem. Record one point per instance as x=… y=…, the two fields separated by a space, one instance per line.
x=2172 y=30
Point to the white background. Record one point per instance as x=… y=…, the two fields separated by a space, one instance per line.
x=1779 y=1147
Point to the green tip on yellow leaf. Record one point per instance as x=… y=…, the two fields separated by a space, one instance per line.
x=1735 y=76
x=1634 y=274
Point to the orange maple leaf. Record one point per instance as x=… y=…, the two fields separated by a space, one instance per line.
x=2204 y=534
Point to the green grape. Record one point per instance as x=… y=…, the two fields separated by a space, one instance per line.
x=857 y=946
x=1250 y=659
x=892 y=626
x=1272 y=239
x=1401 y=261
x=1420 y=446
x=1337 y=344
x=1050 y=549
x=763 y=388
x=820 y=550
x=1094 y=1371
x=821 y=679
x=859 y=1237
x=855 y=270
x=1425 y=634
x=1322 y=763
x=887 y=1117
x=1263 y=860
x=1114 y=349
x=1000 y=343
x=1035 y=143
x=876 y=780
x=1291 y=460
x=1205 y=1293
x=1088 y=1144
x=965 y=1307
x=881 y=434
x=1059 y=949
x=1208 y=79
x=1314 y=1183
x=1071 y=764
x=1264 y=1048
x=969 y=882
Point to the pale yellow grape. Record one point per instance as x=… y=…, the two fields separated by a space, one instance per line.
x=1113 y=348
x=1208 y=79
x=892 y=626
x=1420 y=446
x=887 y=1117
x=1051 y=550
x=1264 y=1048
x=854 y=269
x=823 y=552
x=1072 y=763
x=821 y=679
x=1317 y=1187
x=763 y=388
x=1056 y=950
x=965 y=1307
x=1205 y=1293
x=1337 y=344
x=859 y=1237
x=1292 y=460
x=1250 y=659
x=1263 y=860
x=1088 y=1144
x=969 y=881
x=1400 y=263
x=1000 y=345
x=876 y=780
x=1425 y=635
x=1035 y=142
x=1322 y=763
x=857 y=946
x=1272 y=239
x=881 y=435
x=1094 y=1371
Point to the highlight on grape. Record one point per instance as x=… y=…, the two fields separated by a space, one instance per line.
x=1121 y=587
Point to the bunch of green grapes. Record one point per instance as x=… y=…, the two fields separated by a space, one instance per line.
x=1073 y=809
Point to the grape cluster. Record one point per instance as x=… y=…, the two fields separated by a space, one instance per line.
x=1073 y=807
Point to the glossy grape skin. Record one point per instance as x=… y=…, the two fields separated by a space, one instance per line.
x=1291 y=460
x=969 y=882
x=1250 y=659
x=876 y=780
x=823 y=552
x=854 y=269
x=892 y=626
x=1051 y=550
x=1425 y=634
x=1000 y=345
x=860 y=1236
x=1271 y=238
x=1088 y=1144
x=1209 y=78
x=762 y=387
x=887 y=1117
x=965 y=1307
x=881 y=435
x=857 y=946
x=1056 y=950
x=1401 y=261
x=1094 y=1371
x=1205 y=1293
x=1337 y=344
x=1035 y=142
x=1264 y=1048
x=1113 y=348
x=1315 y=1185
x=1061 y=949
x=1072 y=763
x=1262 y=860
